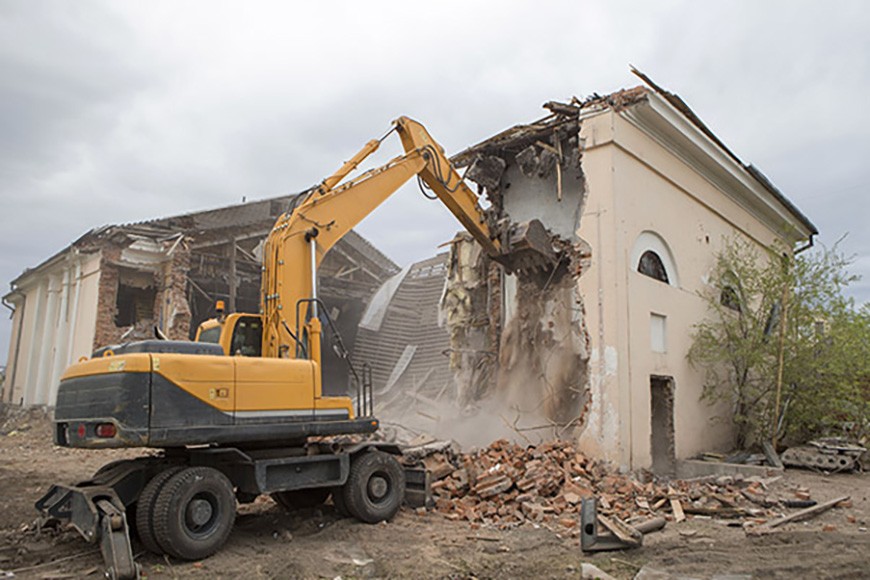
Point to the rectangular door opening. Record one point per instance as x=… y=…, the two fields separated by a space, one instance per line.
x=664 y=460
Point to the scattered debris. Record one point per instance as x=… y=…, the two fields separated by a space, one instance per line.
x=771 y=455
x=828 y=454
x=506 y=485
x=807 y=513
x=592 y=572
x=622 y=536
x=677 y=510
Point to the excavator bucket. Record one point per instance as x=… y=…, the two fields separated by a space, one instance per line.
x=529 y=248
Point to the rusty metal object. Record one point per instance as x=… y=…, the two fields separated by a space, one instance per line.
x=621 y=536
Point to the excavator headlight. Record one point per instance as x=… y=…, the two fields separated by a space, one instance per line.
x=106 y=430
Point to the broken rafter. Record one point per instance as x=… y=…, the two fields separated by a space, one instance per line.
x=516 y=139
x=223 y=240
x=247 y=255
x=346 y=255
x=562 y=108
x=196 y=287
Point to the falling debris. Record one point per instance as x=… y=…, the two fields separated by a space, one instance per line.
x=519 y=345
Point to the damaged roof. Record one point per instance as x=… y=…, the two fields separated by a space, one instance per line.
x=256 y=217
x=563 y=117
x=406 y=351
x=566 y=118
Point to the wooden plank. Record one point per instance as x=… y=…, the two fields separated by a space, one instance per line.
x=677 y=508
x=771 y=455
x=621 y=530
x=810 y=512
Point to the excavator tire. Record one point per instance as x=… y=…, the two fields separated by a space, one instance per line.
x=145 y=509
x=375 y=487
x=301 y=498
x=194 y=513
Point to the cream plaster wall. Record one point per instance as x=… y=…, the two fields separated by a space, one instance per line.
x=636 y=185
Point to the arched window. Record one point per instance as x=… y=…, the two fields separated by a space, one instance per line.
x=652 y=257
x=731 y=297
x=650 y=264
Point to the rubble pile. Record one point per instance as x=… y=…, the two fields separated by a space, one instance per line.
x=506 y=485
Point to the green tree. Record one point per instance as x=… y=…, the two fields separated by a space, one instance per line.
x=822 y=352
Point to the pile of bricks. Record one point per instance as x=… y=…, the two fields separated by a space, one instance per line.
x=506 y=485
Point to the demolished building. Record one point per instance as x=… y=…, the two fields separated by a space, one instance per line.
x=640 y=196
x=116 y=283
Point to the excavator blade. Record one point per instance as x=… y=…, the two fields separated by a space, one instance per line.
x=529 y=248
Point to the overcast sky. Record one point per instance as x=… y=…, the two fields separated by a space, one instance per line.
x=112 y=112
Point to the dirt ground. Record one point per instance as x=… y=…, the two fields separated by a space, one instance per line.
x=268 y=542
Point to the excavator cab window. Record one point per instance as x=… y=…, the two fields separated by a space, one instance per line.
x=212 y=334
x=247 y=337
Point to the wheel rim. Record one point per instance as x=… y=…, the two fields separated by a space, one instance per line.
x=201 y=515
x=378 y=487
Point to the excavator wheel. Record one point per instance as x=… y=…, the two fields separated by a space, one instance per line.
x=194 y=513
x=375 y=487
x=301 y=498
x=145 y=509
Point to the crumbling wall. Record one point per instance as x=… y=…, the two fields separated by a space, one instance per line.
x=106 y=331
x=519 y=346
x=167 y=279
x=471 y=312
x=172 y=296
x=544 y=349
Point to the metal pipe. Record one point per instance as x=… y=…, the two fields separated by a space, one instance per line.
x=313 y=242
x=650 y=525
x=806 y=247
x=15 y=360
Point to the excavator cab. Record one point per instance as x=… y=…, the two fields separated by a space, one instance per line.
x=238 y=334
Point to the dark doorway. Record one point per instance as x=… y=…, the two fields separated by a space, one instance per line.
x=662 y=425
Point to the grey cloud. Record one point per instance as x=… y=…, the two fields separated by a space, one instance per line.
x=116 y=112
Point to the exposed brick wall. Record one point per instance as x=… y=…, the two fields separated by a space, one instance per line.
x=106 y=332
x=170 y=301
x=171 y=298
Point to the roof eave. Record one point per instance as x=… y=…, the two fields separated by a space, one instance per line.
x=692 y=142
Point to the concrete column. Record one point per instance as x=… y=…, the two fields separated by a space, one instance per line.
x=76 y=290
x=32 y=339
x=62 y=330
x=47 y=336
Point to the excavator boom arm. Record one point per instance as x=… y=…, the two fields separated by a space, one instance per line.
x=302 y=237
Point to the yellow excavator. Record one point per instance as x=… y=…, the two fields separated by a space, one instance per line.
x=238 y=412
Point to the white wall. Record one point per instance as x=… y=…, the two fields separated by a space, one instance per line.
x=59 y=304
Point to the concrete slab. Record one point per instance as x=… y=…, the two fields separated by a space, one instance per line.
x=689 y=468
